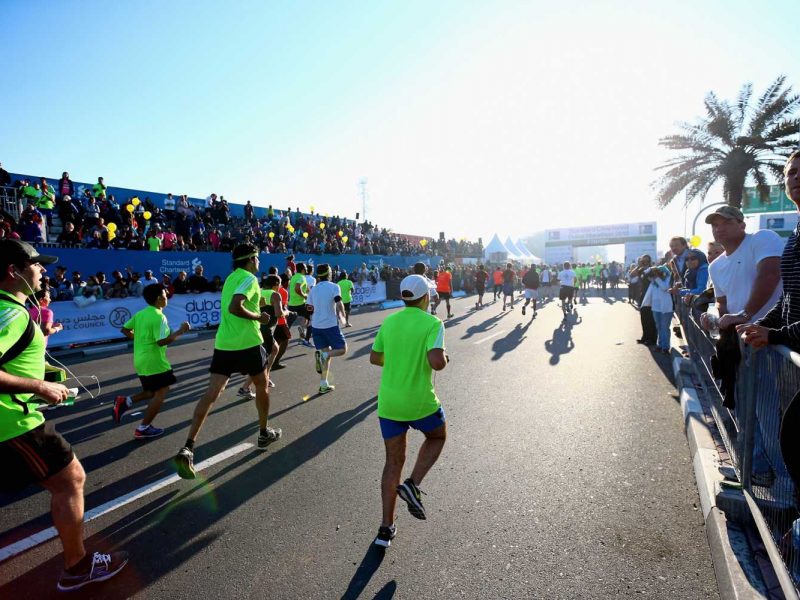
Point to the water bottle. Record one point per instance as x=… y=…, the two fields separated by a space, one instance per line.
x=712 y=316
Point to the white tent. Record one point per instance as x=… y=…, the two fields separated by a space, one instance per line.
x=523 y=248
x=495 y=251
x=513 y=250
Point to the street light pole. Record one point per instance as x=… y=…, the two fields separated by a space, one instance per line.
x=700 y=212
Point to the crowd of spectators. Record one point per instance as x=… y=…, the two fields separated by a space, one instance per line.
x=97 y=219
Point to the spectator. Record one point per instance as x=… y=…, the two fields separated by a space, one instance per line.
x=43 y=315
x=77 y=283
x=149 y=279
x=30 y=224
x=680 y=249
x=696 y=274
x=119 y=286
x=715 y=249
x=92 y=289
x=153 y=242
x=62 y=287
x=166 y=283
x=5 y=177
x=661 y=304
x=197 y=282
x=181 y=285
x=68 y=235
x=65 y=186
x=216 y=284
x=135 y=286
x=99 y=188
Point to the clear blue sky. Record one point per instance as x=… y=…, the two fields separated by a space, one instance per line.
x=467 y=117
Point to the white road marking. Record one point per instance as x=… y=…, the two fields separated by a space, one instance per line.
x=496 y=333
x=136 y=414
x=49 y=533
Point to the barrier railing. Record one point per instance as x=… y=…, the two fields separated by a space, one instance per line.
x=767 y=381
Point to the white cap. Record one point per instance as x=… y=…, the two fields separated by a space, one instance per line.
x=413 y=287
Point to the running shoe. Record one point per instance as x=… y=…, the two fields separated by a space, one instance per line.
x=385 y=536
x=184 y=463
x=523 y=311
x=270 y=383
x=104 y=566
x=348 y=324
x=265 y=439
x=411 y=495
x=306 y=343
x=449 y=315
x=318 y=361
x=120 y=406
x=277 y=367
x=245 y=392
x=324 y=389
x=150 y=432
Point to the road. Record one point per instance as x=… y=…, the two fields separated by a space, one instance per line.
x=566 y=474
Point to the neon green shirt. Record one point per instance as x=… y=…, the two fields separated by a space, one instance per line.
x=18 y=417
x=347 y=290
x=406 y=392
x=154 y=244
x=296 y=299
x=149 y=325
x=236 y=333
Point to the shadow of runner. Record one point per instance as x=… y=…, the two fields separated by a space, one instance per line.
x=482 y=327
x=176 y=526
x=513 y=339
x=561 y=342
x=369 y=566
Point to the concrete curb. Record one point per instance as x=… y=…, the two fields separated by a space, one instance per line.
x=731 y=579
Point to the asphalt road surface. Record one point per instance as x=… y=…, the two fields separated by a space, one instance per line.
x=566 y=474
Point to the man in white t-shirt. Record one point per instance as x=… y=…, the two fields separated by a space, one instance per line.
x=746 y=278
x=566 y=292
x=547 y=289
x=325 y=298
x=311 y=281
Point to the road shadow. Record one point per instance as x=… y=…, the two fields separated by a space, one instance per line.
x=181 y=525
x=561 y=341
x=372 y=560
x=511 y=340
x=483 y=326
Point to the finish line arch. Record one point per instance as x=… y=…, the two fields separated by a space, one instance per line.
x=638 y=238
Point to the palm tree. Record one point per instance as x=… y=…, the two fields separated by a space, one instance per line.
x=736 y=144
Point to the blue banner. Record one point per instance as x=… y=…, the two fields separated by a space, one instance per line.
x=89 y=262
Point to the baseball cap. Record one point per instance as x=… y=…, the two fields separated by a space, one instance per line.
x=727 y=212
x=413 y=287
x=20 y=251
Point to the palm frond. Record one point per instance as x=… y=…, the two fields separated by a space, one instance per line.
x=743 y=105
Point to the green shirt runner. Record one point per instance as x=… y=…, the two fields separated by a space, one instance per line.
x=406 y=392
x=17 y=418
x=236 y=333
x=296 y=299
x=149 y=326
x=347 y=290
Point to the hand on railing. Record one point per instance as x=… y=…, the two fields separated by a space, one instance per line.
x=754 y=335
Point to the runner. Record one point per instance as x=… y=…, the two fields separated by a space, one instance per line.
x=31 y=450
x=497 y=280
x=282 y=331
x=409 y=346
x=566 y=293
x=531 y=282
x=310 y=283
x=545 y=283
x=346 y=287
x=444 y=289
x=481 y=276
x=327 y=312
x=150 y=333
x=420 y=268
x=237 y=349
x=298 y=292
x=509 y=279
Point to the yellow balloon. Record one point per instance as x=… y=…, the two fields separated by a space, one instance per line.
x=322 y=225
x=129 y=208
x=112 y=227
x=111 y=235
x=291 y=229
x=312 y=208
x=135 y=202
x=147 y=215
x=344 y=239
x=271 y=234
x=341 y=233
x=696 y=240
x=305 y=234
x=423 y=243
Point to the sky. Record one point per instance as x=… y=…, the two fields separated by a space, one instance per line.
x=471 y=118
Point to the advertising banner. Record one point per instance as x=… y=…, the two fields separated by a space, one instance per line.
x=102 y=320
x=601 y=235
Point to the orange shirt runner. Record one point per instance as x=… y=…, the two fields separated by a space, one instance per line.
x=444 y=282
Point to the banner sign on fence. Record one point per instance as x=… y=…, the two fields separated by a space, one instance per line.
x=102 y=320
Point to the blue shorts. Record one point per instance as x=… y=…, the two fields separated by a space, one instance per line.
x=508 y=289
x=390 y=428
x=330 y=337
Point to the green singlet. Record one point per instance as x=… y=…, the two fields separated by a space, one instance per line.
x=346 y=286
x=149 y=325
x=296 y=299
x=236 y=333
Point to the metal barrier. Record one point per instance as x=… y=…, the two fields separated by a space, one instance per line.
x=766 y=382
x=9 y=203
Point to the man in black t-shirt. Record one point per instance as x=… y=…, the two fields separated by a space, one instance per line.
x=509 y=279
x=198 y=282
x=531 y=282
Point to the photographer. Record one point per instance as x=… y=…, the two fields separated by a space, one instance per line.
x=649 y=333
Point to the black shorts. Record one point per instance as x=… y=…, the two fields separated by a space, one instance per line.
x=153 y=383
x=346 y=308
x=480 y=288
x=250 y=361
x=282 y=333
x=566 y=292
x=444 y=295
x=33 y=457
x=301 y=310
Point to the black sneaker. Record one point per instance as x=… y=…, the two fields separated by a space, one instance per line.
x=265 y=439
x=184 y=463
x=278 y=367
x=385 y=536
x=104 y=566
x=523 y=311
x=410 y=494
